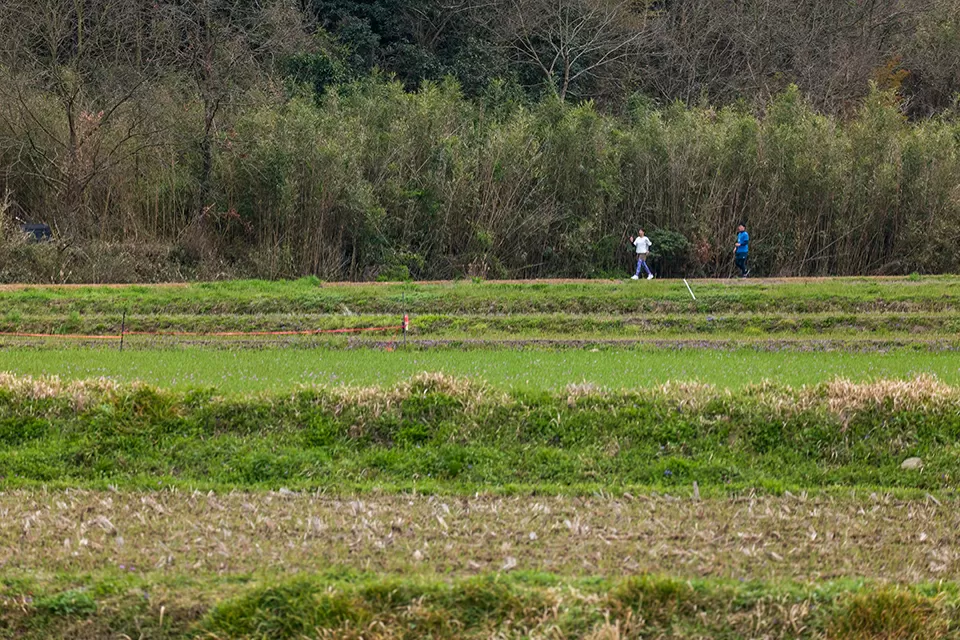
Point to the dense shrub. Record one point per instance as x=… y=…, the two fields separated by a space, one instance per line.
x=370 y=181
x=379 y=181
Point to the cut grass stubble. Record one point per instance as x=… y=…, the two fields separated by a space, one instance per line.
x=797 y=538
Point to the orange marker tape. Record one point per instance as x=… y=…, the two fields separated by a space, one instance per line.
x=215 y=334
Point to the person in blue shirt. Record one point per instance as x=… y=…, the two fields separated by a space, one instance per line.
x=742 y=249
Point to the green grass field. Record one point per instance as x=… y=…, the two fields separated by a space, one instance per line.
x=601 y=296
x=598 y=460
x=634 y=367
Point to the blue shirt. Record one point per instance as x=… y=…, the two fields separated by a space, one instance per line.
x=744 y=239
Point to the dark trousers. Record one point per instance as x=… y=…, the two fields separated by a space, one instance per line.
x=741 y=262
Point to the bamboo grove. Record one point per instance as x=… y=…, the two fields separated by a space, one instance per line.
x=176 y=140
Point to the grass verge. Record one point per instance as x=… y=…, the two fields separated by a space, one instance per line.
x=448 y=435
x=497 y=605
x=840 y=295
x=515 y=326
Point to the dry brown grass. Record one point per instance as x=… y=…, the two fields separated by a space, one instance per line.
x=891 y=614
x=806 y=539
x=80 y=392
x=379 y=399
x=840 y=397
x=923 y=392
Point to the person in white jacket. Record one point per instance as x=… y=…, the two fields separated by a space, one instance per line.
x=643 y=244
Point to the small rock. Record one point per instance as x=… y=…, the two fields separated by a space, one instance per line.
x=912 y=463
x=286 y=492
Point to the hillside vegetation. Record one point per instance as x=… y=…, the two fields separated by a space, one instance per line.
x=186 y=139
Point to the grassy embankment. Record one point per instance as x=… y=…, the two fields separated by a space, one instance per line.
x=440 y=434
x=930 y=293
x=592 y=310
x=520 y=605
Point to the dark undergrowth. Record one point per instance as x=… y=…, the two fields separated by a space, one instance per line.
x=442 y=434
x=345 y=605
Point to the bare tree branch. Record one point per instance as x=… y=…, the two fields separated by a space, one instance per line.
x=567 y=41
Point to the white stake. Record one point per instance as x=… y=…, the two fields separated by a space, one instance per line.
x=689 y=289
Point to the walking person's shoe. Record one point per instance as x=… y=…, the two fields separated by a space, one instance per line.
x=635 y=278
x=650 y=277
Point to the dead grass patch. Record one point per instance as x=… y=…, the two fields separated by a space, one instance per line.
x=798 y=538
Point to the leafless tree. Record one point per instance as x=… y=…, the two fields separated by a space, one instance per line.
x=570 y=41
x=932 y=60
x=430 y=20
x=727 y=50
x=225 y=46
x=73 y=75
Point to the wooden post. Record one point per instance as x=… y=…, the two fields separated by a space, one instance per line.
x=123 y=328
